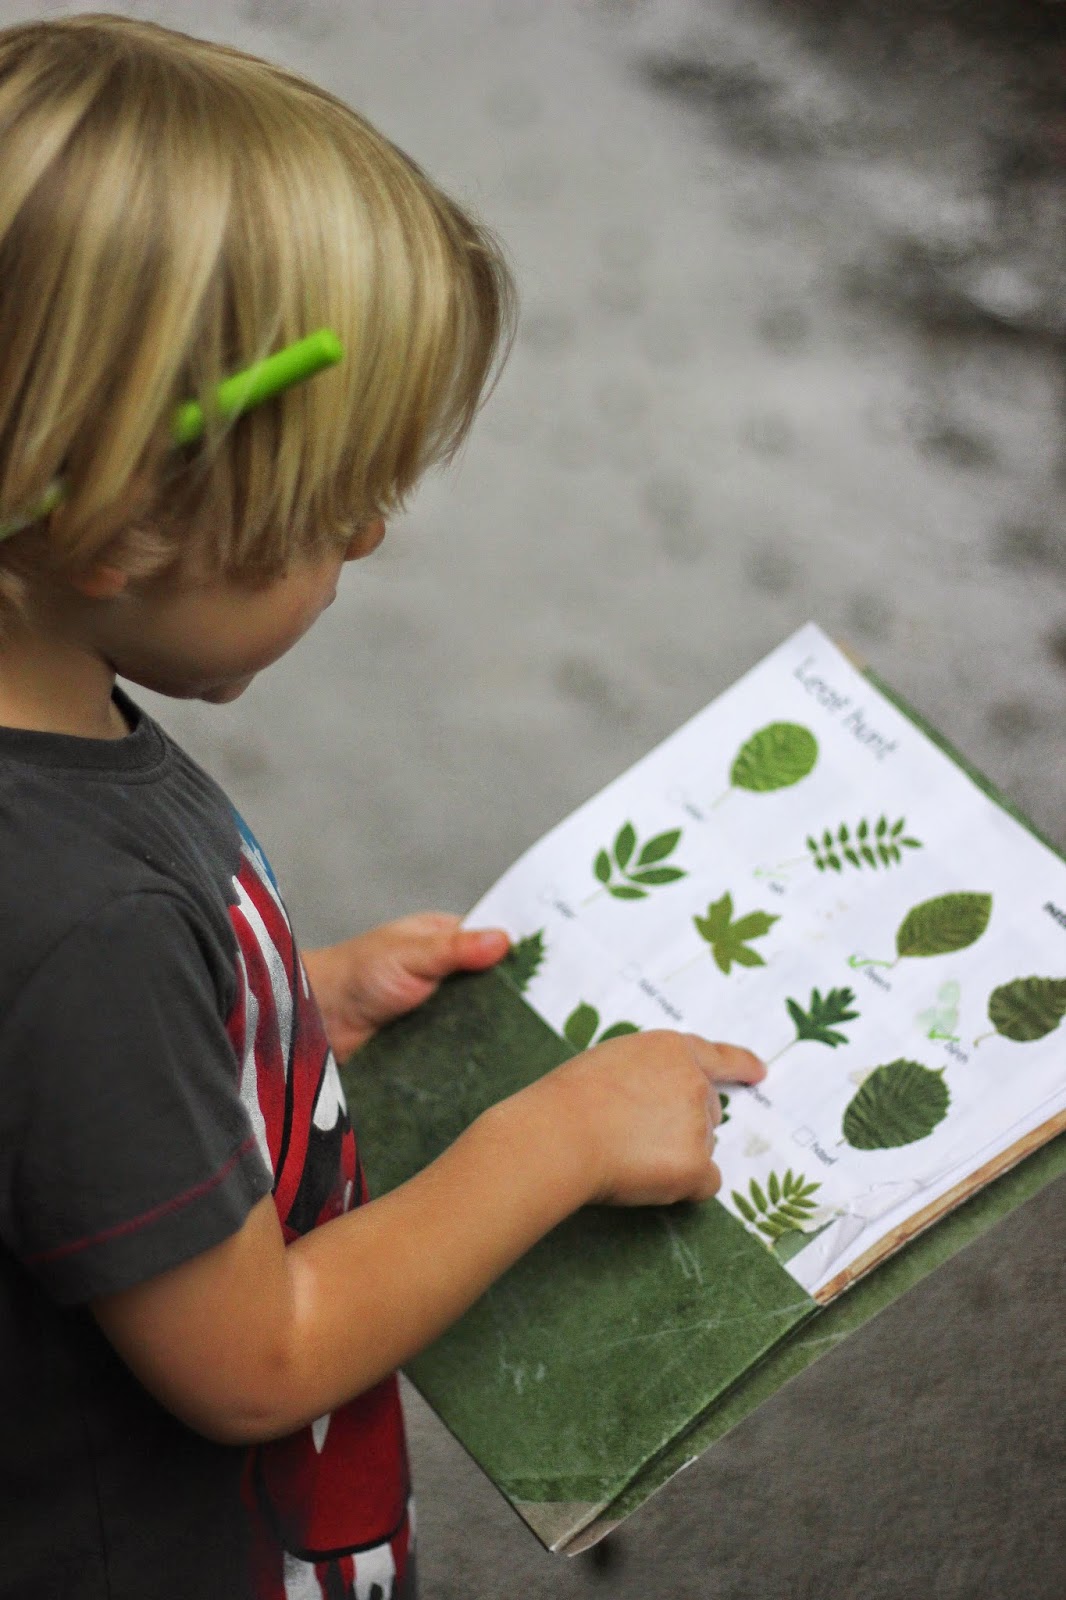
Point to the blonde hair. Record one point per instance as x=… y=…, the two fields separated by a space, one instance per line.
x=170 y=211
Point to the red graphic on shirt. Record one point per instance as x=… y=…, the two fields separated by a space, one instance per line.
x=339 y=1486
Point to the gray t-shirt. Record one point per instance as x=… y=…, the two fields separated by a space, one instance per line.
x=163 y=1066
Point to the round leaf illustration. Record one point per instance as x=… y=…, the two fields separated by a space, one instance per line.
x=897 y=1104
x=938 y=927
x=774 y=758
x=1028 y=1008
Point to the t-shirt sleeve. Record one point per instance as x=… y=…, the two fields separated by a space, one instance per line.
x=125 y=1147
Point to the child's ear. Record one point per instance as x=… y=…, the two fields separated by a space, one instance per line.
x=101 y=582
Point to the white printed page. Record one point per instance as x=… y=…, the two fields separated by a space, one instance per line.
x=801 y=871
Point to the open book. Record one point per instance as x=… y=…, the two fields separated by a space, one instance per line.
x=806 y=870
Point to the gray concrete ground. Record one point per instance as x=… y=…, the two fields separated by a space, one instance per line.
x=792 y=347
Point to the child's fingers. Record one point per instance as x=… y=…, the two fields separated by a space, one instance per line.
x=714 y=1110
x=707 y=1186
x=432 y=944
x=726 y=1063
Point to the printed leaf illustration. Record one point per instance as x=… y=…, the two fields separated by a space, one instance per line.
x=816 y=1023
x=879 y=846
x=580 y=1027
x=896 y=1105
x=636 y=882
x=948 y=923
x=937 y=927
x=783 y=1208
x=521 y=962
x=1028 y=1008
x=617 y=1031
x=728 y=939
x=723 y=1101
x=657 y=848
x=776 y=757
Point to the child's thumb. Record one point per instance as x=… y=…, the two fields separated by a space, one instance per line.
x=475 y=949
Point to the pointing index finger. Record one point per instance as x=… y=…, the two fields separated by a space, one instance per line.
x=726 y=1063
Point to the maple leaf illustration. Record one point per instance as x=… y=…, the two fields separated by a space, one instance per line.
x=728 y=939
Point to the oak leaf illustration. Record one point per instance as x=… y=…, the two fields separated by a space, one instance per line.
x=816 y=1023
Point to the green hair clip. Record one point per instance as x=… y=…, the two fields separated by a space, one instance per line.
x=259 y=382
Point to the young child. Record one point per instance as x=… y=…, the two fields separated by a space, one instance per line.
x=200 y=1315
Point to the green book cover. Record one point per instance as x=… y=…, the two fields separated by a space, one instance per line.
x=629 y=1340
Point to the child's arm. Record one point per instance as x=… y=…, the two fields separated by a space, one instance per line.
x=252 y=1339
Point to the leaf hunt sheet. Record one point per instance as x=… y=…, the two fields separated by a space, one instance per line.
x=800 y=870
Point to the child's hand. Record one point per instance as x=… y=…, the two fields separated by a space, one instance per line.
x=367 y=981
x=643 y=1109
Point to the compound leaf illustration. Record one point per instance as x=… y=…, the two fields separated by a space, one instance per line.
x=609 y=867
x=775 y=757
x=522 y=961
x=896 y=1105
x=1027 y=1008
x=728 y=939
x=881 y=845
x=783 y=1208
x=581 y=1026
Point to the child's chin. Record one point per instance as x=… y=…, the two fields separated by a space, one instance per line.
x=223 y=693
